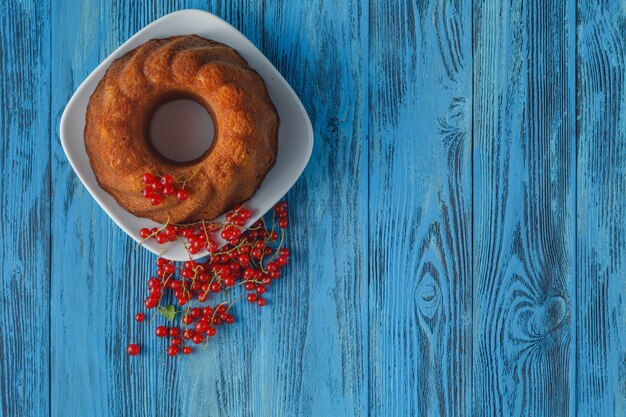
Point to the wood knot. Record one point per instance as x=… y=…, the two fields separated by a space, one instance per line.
x=428 y=296
x=539 y=320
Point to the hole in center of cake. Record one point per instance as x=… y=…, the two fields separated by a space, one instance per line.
x=181 y=130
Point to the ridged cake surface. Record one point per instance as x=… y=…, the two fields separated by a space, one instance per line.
x=214 y=75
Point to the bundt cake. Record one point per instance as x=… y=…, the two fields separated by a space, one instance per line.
x=181 y=67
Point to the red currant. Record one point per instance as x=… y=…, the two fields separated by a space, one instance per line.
x=161 y=331
x=147 y=192
x=148 y=178
x=182 y=195
x=133 y=349
x=168 y=190
x=166 y=179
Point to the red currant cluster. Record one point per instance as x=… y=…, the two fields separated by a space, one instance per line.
x=253 y=258
x=156 y=189
x=198 y=236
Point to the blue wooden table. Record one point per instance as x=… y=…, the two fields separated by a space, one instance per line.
x=459 y=235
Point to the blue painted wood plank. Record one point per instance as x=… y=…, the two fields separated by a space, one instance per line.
x=420 y=218
x=524 y=208
x=25 y=208
x=321 y=352
x=601 y=220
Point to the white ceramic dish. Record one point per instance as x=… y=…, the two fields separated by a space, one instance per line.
x=295 y=134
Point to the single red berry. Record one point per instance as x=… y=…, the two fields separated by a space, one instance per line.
x=168 y=190
x=182 y=195
x=148 y=178
x=187 y=350
x=252 y=297
x=169 y=268
x=211 y=331
x=161 y=239
x=166 y=179
x=188 y=334
x=187 y=319
x=155 y=200
x=144 y=233
x=282 y=223
x=261 y=302
x=173 y=331
x=260 y=289
x=147 y=192
x=201 y=327
x=133 y=349
x=197 y=339
x=172 y=350
x=157 y=187
x=177 y=341
x=161 y=331
x=139 y=317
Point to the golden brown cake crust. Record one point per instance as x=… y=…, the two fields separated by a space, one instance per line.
x=119 y=112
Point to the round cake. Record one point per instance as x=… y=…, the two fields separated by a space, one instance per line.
x=181 y=67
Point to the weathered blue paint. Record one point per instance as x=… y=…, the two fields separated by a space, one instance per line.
x=459 y=235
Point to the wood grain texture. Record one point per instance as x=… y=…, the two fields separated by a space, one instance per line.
x=458 y=237
x=25 y=208
x=420 y=209
x=524 y=208
x=319 y=323
x=601 y=220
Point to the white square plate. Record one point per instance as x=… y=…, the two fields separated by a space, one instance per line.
x=295 y=134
